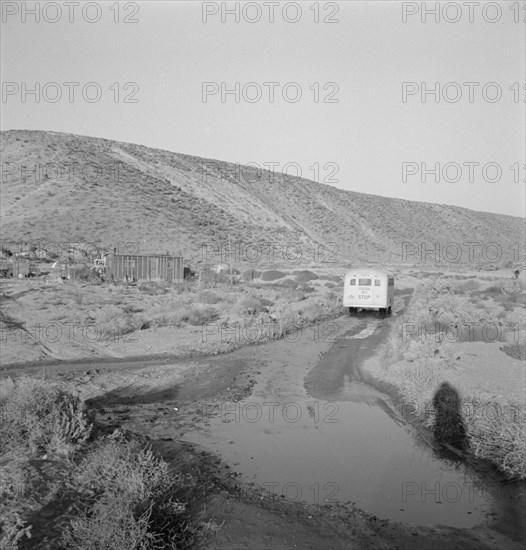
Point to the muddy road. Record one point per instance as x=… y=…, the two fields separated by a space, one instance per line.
x=317 y=448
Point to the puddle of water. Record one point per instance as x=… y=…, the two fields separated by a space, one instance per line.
x=361 y=456
x=345 y=443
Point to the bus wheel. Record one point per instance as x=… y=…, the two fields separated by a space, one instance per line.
x=382 y=312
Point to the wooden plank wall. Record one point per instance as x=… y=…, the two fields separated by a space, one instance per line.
x=145 y=268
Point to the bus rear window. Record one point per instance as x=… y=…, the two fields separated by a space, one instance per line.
x=353 y=282
x=364 y=282
x=376 y=283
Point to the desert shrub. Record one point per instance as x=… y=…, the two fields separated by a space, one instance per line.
x=306 y=288
x=117 y=465
x=208 y=297
x=470 y=285
x=272 y=275
x=109 y=523
x=209 y=278
x=42 y=416
x=493 y=291
x=500 y=438
x=391 y=351
x=112 y=320
x=305 y=276
x=138 y=501
x=13 y=530
x=198 y=314
x=293 y=295
x=195 y=314
x=288 y=321
x=311 y=312
x=265 y=302
x=167 y=317
x=131 y=308
x=417 y=382
x=153 y=288
x=247 y=305
x=183 y=287
x=83 y=273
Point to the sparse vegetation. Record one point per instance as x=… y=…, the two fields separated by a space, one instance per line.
x=113 y=321
x=247 y=305
x=39 y=418
x=138 y=501
x=198 y=314
x=417 y=364
x=126 y=497
x=208 y=297
x=41 y=415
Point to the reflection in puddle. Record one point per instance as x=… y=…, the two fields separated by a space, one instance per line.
x=348 y=444
x=345 y=451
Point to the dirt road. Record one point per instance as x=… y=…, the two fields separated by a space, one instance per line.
x=312 y=452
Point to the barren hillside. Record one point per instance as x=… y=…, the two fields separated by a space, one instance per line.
x=63 y=187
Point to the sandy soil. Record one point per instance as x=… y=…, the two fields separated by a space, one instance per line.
x=165 y=400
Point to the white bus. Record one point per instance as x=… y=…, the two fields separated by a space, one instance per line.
x=365 y=288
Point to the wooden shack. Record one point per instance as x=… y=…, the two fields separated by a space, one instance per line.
x=14 y=267
x=145 y=267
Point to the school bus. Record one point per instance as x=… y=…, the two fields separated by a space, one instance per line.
x=366 y=288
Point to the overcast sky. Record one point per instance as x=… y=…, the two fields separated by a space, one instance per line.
x=350 y=68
